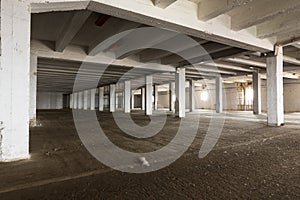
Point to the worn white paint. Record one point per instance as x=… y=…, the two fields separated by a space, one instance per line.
x=15 y=79
x=127 y=96
x=219 y=94
x=180 y=92
x=256 y=93
x=112 y=97
x=33 y=89
x=101 y=98
x=92 y=98
x=275 y=104
x=148 y=94
x=192 y=95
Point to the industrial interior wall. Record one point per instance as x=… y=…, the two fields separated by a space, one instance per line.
x=49 y=100
x=291 y=94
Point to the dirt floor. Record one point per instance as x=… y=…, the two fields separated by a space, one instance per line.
x=250 y=161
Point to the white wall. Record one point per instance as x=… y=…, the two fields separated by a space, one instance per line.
x=49 y=100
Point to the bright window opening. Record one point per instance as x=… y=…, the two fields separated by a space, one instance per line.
x=204 y=96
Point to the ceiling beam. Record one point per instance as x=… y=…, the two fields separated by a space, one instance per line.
x=41 y=6
x=71 y=28
x=279 y=25
x=163 y=3
x=208 y=48
x=262 y=11
x=180 y=17
x=286 y=39
x=246 y=62
x=112 y=27
x=209 y=9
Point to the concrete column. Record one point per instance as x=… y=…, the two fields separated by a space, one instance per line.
x=75 y=100
x=192 y=95
x=180 y=92
x=219 y=94
x=112 y=97
x=80 y=100
x=143 y=98
x=127 y=93
x=132 y=100
x=85 y=99
x=93 y=94
x=275 y=108
x=256 y=93
x=33 y=88
x=14 y=80
x=101 y=98
x=148 y=94
x=71 y=101
x=171 y=96
x=155 y=87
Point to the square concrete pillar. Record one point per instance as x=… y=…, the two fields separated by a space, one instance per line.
x=85 y=99
x=33 y=89
x=148 y=94
x=256 y=93
x=71 y=101
x=192 y=95
x=219 y=94
x=80 y=100
x=112 y=97
x=275 y=107
x=75 y=100
x=155 y=94
x=143 y=98
x=180 y=92
x=101 y=98
x=14 y=79
x=127 y=96
x=132 y=100
x=172 y=96
x=92 y=98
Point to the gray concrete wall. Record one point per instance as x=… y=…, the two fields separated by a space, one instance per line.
x=49 y=100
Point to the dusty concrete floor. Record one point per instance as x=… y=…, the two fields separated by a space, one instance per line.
x=250 y=161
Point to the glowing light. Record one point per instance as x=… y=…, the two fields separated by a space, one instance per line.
x=204 y=96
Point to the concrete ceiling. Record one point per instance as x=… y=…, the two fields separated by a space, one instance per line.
x=75 y=33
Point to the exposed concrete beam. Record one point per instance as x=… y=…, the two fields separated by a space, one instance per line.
x=279 y=25
x=72 y=26
x=40 y=6
x=77 y=53
x=191 y=53
x=291 y=60
x=261 y=12
x=163 y=3
x=112 y=27
x=286 y=39
x=227 y=66
x=297 y=45
x=174 y=18
x=209 y=9
x=247 y=62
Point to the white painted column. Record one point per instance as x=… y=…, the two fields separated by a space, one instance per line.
x=180 y=92
x=75 y=100
x=256 y=93
x=112 y=97
x=71 y=101
x=93 y=94
x=143 y=98
x=33 y=89
x=101 y=98
x=80 y=100
x=155 y=87
x=171 y=96
x=275 y=107
x=148 y=94
x=127 y=93
x=132 y=100
x=219 y=94
x=14 y=79
x=85 y=99
x=192 y=95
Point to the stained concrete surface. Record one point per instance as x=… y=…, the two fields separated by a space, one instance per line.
x=250 y=160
